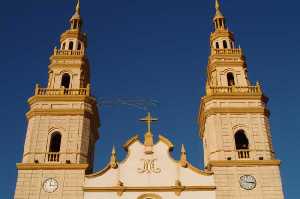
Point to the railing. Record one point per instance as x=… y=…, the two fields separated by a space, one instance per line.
x=228 y=90
x=68 y=52
x=243 y=154
x=235 y=51
x=52 y=157
x=63 y=91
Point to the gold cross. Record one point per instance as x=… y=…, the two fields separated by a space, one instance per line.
x=148 y=120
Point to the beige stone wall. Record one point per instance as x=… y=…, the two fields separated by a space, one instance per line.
x=268 y=182
x=78 y=132
x=75 y=132
x=30 y=184
x=77 y=68
x=220 y=128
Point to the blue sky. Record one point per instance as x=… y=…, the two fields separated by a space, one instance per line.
x=155 y=50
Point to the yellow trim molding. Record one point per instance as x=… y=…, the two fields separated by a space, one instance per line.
x=149 y=189
x=42 y=166
x=99 y=173
x=248 y=110
x=232 y=96
x=243 y=163
x=130 y=142
x=166 y=141
x=57 y=112
x=62 y=98
x=149 y=195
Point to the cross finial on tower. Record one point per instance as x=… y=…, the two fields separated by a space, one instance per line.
x=148 y=135
x=148 y=120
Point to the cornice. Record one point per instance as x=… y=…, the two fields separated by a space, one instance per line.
x=58 y=112
x=235 y=96
x=214 y=61
x=68 y=57
x=41 y=166
x=122 y=189
x=74 y=34
x=246 y=110
x=223 y=33
x=62 y=98
x=243 y=163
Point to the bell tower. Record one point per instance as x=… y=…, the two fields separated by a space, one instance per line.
x=63 y=124
x=234 y=123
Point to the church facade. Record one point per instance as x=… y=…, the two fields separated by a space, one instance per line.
x=63 y=123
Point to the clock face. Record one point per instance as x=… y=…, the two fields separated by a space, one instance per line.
x=248 y=182
x=50 y=185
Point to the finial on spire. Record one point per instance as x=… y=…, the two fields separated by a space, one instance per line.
x=218 y=5
x=77 y=11
x=113 y=159
x=78 y=7
x=218 y=10
x=76 y=21
x=183 y=158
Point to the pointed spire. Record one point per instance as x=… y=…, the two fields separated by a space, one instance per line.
x=75 y=20
x=218 y=5
x=78 y=7
x=218 y=10
x=183 y=158
x=219 y=19
x=113 y=159
x=77 y=11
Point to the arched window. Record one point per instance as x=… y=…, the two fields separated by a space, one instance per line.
x=65 y=80
x=230 y=79
x=54 y=148
x=225 y=44
x=79 y=46
x=63 y=46
x=241 y=140
x=55 y=142
x=242 y=145
x=217 y=45
x=71 y=44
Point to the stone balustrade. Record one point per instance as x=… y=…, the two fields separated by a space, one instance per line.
x=235 y=51
x=52 y=157
x=62 y=91
x=229 y=90
x=69 y=52
x=243 y=154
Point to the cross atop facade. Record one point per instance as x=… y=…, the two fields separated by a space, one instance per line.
x=148 y=120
